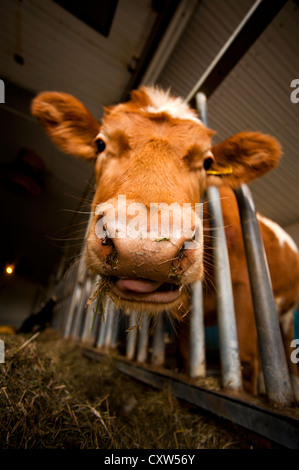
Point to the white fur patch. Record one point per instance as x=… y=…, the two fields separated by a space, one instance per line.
x=282 y=236
x=162 y=102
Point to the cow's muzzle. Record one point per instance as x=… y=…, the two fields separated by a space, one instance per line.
x=145 y=268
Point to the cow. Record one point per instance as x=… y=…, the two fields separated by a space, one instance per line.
x=154 y=150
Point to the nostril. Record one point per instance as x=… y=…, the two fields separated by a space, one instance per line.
x=107 y=240
x=102 y=232
x=176 y=265
x=195 y=240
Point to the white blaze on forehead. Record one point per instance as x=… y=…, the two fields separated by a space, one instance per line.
x=176 y=107
x=280 y=234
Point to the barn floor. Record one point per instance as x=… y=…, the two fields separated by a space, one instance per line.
x=54 y=397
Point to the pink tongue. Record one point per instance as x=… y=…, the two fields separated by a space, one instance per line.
x=138 y=285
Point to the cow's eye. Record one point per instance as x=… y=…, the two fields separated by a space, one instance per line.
x=101 y=145
x=208 y=162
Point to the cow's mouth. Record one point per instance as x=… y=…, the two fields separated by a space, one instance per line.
x=144 y=290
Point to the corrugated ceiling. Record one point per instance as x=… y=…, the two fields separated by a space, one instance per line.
x=62 y=52
x=254 y=96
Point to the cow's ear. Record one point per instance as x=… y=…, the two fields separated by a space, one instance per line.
x=69 y=124
x=243 y=158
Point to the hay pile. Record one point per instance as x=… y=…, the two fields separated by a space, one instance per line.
x=51 y=396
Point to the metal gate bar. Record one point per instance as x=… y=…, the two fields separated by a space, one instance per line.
x=132 y=336
x=143 y=340
x=277 y=379
x=110 y=318
x=79 y=319
x=158 y=353
x=197 y=333
x=228 y=339
x=75 y=299
x=229 y=348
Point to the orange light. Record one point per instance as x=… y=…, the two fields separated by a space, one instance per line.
x=9 y=269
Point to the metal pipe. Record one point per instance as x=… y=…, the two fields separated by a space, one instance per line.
x=197 y=335
x=158 y=353
x=201 y=106
x=110 y=322
x=131 y=336
x=228 y=340
x=95 y=326
x=101 y=337
x=72 y=310
x=116 y=325
x=143 y=339
x=87 y=329
x=103 y=328
x=277 y=379
x=197 y=367
x=81 y=310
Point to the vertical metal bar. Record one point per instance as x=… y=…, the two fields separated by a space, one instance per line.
x=103 y=328
x=87 y=329
x=67 y=290
x=158 y=353
x=110 y=322
x=228 y=340
x=201 y=106
x=143 y=339
x=72 y=311
x=91 y=318
x=80 y=275
x=101 y=337
x=81 y=310
x=197 y=331
x=277 y=379
x=197 y=337
x=131 y=336
x=115 y=332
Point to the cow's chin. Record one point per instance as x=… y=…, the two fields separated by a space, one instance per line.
x=148 y=296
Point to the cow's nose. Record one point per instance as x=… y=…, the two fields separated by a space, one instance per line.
x=142 y=254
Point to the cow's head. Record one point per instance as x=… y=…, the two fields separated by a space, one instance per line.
x=153 y=162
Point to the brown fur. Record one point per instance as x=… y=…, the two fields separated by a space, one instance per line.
x=154 y=157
